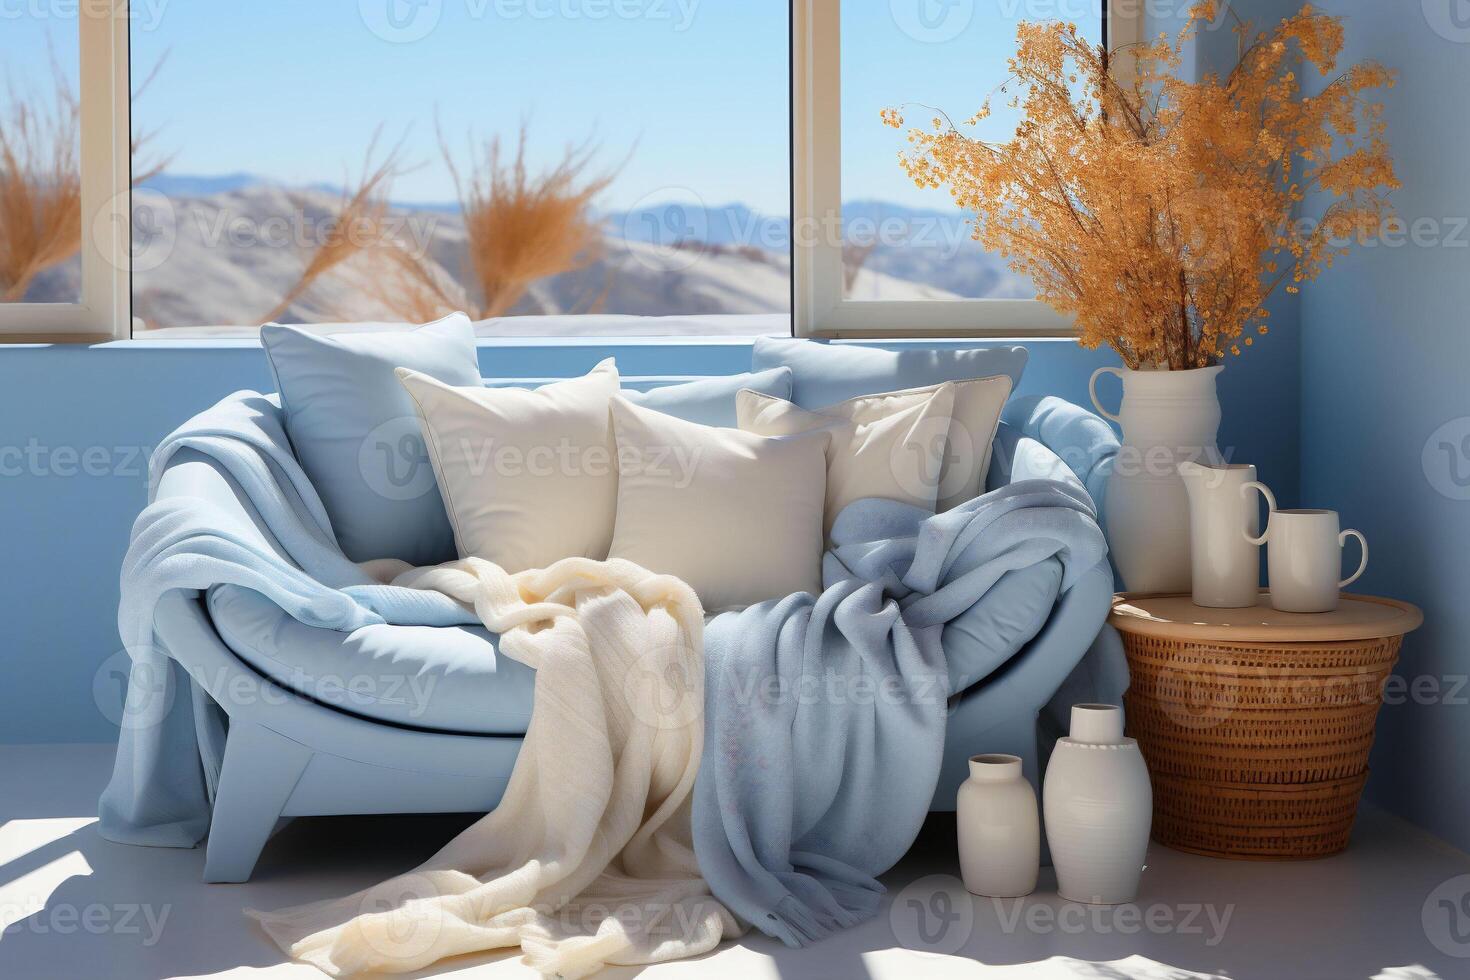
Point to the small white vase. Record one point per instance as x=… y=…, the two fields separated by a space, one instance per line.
x=999 y=830
x=1099 y=808
x=1167 y=417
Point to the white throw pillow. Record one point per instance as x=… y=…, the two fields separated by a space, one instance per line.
x=528 y=476
x=889 y=445
x=736 y=515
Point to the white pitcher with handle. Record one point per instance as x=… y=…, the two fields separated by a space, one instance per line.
x=1166 y=417
x=1225 y=564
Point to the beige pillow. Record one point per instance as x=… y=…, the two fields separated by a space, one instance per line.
x=528 y=476
x=977 y=407
x=889 y=445
x=736 y=515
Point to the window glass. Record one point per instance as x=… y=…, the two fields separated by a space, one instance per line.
x=40 y=157
x=927 y=57
x=528 y=161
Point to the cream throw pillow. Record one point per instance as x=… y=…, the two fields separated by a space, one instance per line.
x=736 y=515
x=528 y=476
x=889 y=445
x=977 y=407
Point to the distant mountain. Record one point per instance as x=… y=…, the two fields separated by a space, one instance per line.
x=192 y=186
x=207 y=273
x=675 y=223
x=920 y=245
x=189 y=185
x=667 y=259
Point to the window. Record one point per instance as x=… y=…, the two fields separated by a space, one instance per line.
x=391 y=160
x=205 y=167
x=881 y=256
x=63 y=172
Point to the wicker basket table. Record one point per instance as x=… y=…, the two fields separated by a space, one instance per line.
x=1256 y=724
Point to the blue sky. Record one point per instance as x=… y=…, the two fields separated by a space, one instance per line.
x=695 y=89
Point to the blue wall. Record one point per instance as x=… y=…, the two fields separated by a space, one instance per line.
x=76 y=424
x=1386 y=405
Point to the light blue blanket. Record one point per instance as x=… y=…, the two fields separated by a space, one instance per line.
x=170 y=747
x=825 y=715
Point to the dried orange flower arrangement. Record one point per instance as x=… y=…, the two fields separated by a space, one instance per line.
x=1160 y=212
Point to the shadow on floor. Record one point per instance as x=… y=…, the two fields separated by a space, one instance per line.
x=85 y=907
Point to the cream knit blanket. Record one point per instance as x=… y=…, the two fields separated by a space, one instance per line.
x=588 y=859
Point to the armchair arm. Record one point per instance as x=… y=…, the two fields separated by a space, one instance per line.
x=1083 y=442
x=190 y=473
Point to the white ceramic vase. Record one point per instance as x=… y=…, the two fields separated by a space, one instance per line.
x=999 y=829
x=1225 y=561
x=1099 y=808
x=1167 y=417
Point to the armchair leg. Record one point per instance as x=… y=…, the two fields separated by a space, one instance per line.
x=260 y=771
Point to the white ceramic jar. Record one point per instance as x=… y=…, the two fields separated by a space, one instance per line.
x=1099 y=808
x=999 y=829
x=1167 y=417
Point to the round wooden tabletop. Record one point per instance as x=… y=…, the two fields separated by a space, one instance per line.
x=1357 y=617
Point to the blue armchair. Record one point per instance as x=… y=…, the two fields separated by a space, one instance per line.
x=396 y=719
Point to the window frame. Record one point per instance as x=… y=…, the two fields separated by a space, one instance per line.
x=819 y=308
x=104 y=310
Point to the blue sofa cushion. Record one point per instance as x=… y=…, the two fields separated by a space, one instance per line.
x=711 y=401
x=825 y=374
x=355 y=433
x=449 y=678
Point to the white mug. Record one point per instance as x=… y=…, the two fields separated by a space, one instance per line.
x=1304 y=556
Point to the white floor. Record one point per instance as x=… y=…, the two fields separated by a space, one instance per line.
x=75 y=906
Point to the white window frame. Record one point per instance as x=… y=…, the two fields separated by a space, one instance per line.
x=105 y=306
x=819 y=308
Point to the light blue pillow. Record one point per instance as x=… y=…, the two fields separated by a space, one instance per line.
x=825 y=374
x=355 y=432
x=712 y=401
